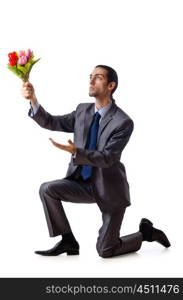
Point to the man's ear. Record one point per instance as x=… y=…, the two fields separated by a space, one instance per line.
x=111 y=85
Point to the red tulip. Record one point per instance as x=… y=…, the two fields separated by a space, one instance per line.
x=12 y=58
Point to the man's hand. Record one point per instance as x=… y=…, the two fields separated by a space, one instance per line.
x=70 y=148
x=28 y=92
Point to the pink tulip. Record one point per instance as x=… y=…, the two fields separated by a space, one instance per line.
x=22 y=60
x=21 y=53
x=28 y=53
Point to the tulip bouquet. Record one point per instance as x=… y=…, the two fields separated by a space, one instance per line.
x=21 y=63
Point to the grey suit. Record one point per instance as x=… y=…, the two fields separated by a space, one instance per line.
x=108 y=185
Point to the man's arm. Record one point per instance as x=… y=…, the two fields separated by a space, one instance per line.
x=55 y=123
x=112 y=151
x=42 y=117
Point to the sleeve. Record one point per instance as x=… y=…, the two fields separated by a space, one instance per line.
x=111 y=152
x=44 y=119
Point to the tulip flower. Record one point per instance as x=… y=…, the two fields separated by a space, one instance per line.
x=22 y=60
x=28 y=53
x=12 y=58
x=21 y=53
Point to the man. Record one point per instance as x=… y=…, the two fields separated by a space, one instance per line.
x=95 y=174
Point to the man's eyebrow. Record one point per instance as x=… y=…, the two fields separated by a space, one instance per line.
x=97 y=74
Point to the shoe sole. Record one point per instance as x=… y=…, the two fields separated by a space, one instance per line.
x=73 y=252
x=70 y=252
x=166 y=242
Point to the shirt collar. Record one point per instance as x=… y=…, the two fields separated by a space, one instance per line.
x=102 y=111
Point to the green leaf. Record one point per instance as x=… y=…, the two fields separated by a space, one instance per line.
x=22 y=69
x=16 y=71
x=35 y=61
x=27 y=66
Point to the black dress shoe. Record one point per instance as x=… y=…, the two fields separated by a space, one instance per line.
x=152 y=234
x=71 y=248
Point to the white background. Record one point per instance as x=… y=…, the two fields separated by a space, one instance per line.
x=142 y=40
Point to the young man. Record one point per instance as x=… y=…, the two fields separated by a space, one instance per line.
x=95 y=174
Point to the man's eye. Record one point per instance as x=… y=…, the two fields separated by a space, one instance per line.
x=95 y=77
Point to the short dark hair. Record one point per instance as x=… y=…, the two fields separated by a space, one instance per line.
x=111 y=75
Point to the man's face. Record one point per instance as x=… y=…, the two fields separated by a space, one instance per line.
x=99 y=86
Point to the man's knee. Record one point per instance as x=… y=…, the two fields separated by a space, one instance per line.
x=53 y=188
x=104 y=253
x=44 y=188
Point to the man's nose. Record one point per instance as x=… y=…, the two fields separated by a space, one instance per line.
x=92 y=80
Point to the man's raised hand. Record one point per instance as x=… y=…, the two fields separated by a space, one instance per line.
x=28 y=92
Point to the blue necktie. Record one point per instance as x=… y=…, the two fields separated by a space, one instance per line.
x=91 y=144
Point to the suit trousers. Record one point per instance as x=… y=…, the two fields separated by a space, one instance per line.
x=76 y=190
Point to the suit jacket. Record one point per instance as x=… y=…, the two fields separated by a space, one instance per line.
x=109 y=180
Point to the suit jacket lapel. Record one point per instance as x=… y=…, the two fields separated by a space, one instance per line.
x=106 y=119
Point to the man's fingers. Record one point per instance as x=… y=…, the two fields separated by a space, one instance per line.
x=27 y=89
x=56 y=144
x=70 y=142
x=63 y=146
x=26 y=84
x=70 y=148
x=52 y=141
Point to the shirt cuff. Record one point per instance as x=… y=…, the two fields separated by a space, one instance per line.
x=34 y=108
x=74 y=155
